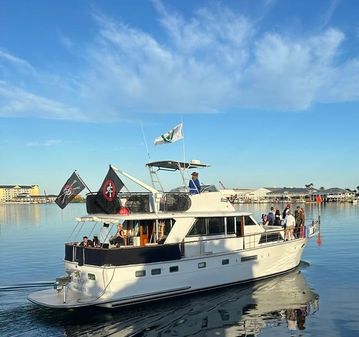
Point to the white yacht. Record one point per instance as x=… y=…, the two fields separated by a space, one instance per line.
x=176 y=243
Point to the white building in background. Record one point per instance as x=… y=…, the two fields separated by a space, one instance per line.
x=228 y=193
x=251 y=195
x=260 y=194
x=288 y=194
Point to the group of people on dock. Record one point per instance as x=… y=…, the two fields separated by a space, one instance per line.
x=294 y=225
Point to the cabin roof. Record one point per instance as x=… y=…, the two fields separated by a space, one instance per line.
x=115 y=218
x=173 y=165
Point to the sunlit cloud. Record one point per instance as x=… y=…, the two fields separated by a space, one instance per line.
x=216 y=60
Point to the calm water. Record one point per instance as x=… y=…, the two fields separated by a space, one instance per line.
x=321 y=299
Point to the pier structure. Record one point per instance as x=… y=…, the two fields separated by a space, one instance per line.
x=289 y=194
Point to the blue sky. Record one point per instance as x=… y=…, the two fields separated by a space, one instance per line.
x=268 y=91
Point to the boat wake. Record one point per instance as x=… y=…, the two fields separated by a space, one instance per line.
x=304 y=264
x=20 y=286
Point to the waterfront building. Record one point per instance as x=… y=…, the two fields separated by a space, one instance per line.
x=290 y=194
x=249 y=195
x=335 y=194
x=12 y=192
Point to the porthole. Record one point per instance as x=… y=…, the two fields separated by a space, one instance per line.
x=156 y=271
x=140 y=273
x=202 y=265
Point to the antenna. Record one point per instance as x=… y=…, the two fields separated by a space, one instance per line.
x=144 y=139
x=183 y=143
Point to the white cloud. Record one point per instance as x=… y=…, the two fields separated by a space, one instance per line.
x=214 y=61
x=15 y=61
x=66 y=41
x=329 y=13
x=16 y=102
x=45 y=143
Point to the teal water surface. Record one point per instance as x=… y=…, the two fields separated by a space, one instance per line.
x=321 y=298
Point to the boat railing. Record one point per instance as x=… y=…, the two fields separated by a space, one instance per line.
x=190 y=248
x=123 y=255
x=206 y=246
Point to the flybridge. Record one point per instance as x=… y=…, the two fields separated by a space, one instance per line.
x=172 y=165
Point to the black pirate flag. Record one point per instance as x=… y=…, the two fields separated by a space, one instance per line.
x=72 y=187
x=107 y=195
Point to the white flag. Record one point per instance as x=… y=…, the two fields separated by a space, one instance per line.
x=170 y=136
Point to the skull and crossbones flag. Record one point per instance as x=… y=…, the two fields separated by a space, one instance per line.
x=107 y=195
x=73 y=186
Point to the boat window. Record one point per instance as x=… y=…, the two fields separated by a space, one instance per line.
x=202 y=265
x=156 y=271
x=215 y=226
x=140 y=273
x=168 y=224
x=230 y=225
x=91 y=277
x=249 y=258
x=239 y=226
x=248 y=221
x=207 y=226
x=199 y=227
x=173 y=269
x=225 y=261
x=270 y=237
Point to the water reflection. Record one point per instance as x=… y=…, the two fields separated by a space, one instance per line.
x=21 y=214
x=282 y=302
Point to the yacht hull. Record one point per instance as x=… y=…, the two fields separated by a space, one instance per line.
x=110 y=286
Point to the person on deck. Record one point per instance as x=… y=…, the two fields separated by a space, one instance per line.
x=119 y=238
x=96 y=242
x=277 y=220
x=194 y=184
x=86 y=242
x=286 y=211
x=299 y=222
x=289 y=226
x=271 y=216
x=104 y=236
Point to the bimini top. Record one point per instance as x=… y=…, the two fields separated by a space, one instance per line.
x=173 y=165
